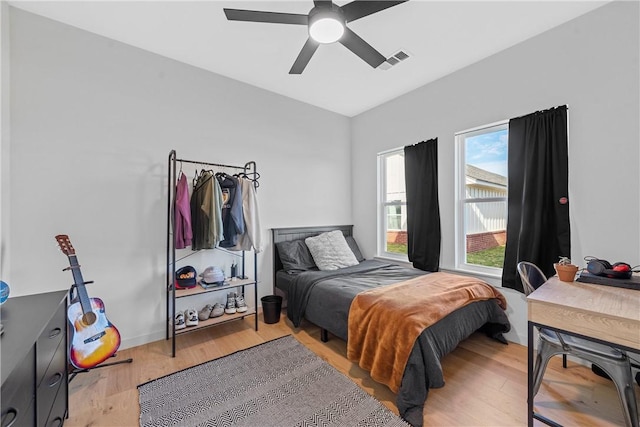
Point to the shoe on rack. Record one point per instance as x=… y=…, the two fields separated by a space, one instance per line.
x=241 y=306
x=205 y=313
x=179 y=322
x=218 y=310
x=192 y=317
x=231 y=303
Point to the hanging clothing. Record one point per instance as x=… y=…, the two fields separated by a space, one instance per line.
x=182 y=219
x=251 y=238
x=232 y=218
x=212 y=208
x=206 y=216
x=199 y=222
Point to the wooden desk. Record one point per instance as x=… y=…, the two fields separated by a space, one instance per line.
x=601 y=313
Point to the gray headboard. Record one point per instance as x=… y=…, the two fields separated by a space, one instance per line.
x=295 y=233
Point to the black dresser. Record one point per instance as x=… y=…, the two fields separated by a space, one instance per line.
x=34 y=360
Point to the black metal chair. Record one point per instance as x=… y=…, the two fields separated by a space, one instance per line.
x=614 y=362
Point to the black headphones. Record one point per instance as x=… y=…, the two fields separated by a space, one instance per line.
x=601 y=267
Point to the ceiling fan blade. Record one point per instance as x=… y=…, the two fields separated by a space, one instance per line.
x=269 y=17
x=355 y=44
x=359 y=9
x=304 y=56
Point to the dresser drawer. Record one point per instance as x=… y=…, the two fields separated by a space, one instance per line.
x=49 y=341
x=48 y=389
x=59 y=409
x=15 y=417
x=17 y=394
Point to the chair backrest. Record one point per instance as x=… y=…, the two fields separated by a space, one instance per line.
x=532 y=277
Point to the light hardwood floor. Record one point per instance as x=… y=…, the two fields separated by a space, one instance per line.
x=486 y=382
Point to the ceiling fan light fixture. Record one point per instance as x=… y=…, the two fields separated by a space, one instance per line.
x=326 y=30
x=326 y=25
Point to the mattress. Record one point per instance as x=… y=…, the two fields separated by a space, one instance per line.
x=284 y=280
x=324 y=298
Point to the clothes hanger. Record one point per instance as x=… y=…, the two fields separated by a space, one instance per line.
x=198 y=176
x=251 y=176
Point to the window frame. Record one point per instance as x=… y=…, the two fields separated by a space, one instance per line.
x=461 y=199
x=383 y=204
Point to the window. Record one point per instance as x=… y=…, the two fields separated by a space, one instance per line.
x=392 y=202
x=481 y=212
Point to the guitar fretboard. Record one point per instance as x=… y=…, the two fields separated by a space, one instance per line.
x=85 y=303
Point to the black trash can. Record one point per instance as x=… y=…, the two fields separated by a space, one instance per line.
x=271 y=307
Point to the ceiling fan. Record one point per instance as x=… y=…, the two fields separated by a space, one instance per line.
x=327 y=24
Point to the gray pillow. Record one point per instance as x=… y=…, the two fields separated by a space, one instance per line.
x=354 y=248
x=295 y=256
x=330 y=251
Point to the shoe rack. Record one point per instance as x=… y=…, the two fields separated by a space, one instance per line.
x=229 y=285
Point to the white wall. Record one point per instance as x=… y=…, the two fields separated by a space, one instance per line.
x=591 y=64
x=93 y=121
x=5 y=115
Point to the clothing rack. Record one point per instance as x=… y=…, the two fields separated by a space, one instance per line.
x=248 y=169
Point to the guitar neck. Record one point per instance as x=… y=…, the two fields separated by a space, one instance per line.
x=85 y=303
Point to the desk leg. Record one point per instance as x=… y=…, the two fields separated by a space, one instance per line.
x=530 y=374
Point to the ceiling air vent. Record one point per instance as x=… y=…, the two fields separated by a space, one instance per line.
x=394 y=59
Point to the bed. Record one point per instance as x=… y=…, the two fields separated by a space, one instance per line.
x=324 y=298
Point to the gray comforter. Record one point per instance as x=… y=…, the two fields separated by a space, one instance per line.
x=324 y=298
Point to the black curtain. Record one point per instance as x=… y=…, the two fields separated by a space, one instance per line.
x=423 y=210
x=538 y=205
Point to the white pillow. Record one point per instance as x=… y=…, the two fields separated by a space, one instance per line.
x=330 y=251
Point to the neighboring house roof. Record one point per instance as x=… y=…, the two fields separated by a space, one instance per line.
x=484 y=176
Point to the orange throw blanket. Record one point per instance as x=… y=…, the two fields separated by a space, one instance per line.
x=384 y=323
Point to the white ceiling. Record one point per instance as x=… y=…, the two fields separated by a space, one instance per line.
x=441 y=36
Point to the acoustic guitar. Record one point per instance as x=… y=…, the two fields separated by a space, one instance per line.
x=94 y=338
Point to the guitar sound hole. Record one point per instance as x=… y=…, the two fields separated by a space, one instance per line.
x=89 y=318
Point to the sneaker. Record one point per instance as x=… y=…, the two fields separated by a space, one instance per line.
x=180 y=321
x=241 y=306
x=218 y=310
x=205 y=313
x=192 y=317
x=231 y=303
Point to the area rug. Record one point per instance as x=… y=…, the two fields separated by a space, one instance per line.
x=276 y=384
